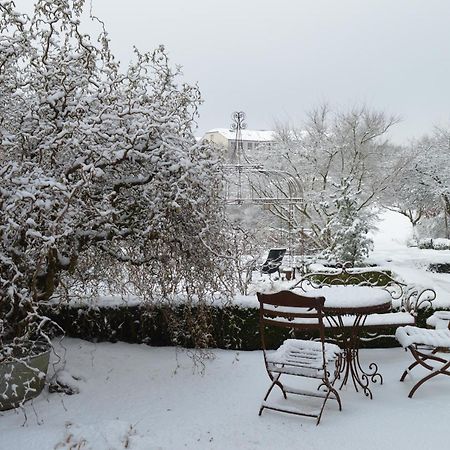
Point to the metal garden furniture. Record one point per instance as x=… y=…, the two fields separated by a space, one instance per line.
x=346 y=310
x=354 y=314
x=407 y=300
x=296 y=357
x=424 y=344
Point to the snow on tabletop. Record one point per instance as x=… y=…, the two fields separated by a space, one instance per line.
x=348 y=320
x=349 y=296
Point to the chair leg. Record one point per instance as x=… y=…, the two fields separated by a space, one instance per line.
x=330 y=387
x=442 y=371
x=275 y=382
x=338 y=398
x=420 y=360
x=330 y=391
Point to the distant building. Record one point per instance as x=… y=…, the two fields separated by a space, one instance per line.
x=252 y=140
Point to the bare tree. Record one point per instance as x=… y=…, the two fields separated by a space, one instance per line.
x=407 y=194
x=432 y=166
x=333 y=150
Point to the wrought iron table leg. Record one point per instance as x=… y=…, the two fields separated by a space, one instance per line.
x=351 y=366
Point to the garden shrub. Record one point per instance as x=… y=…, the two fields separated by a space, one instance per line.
x=435 y=244
x=231 y=327
x=439 y=267
x=441 y=244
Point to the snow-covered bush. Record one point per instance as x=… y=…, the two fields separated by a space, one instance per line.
x=436 y=244
x=246 y=255
x=102 y=178
x=347 y=230
x=425 y=243
x=441 y=244
x=422 y=192
x=434 y=225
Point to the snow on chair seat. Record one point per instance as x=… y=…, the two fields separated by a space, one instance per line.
x=408 y=335
x=413 y=338
x=439 y=320
x=297 y=357
x=304 y=358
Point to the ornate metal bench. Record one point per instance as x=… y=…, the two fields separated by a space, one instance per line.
x=406 y=300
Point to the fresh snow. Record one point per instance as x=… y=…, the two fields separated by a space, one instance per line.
x=154 y=399
x=414 y=335
x=439 y=319
x=355 y=296
x=410 y=263
x=390 y=252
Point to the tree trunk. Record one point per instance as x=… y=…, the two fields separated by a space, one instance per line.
x=446 y=213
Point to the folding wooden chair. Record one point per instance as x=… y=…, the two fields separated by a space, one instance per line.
x=424 y=344
x=296 y=357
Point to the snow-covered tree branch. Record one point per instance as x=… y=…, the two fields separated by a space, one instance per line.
x=99 y=161
x=333 y=153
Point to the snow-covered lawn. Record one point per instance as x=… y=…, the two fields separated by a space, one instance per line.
x=410 y=263
x=152 y=398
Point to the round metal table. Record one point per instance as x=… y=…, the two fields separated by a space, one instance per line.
x=346 y=309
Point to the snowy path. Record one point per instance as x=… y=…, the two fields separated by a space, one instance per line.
x=410 y=263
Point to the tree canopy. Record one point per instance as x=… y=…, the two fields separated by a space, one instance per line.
x=99 y=164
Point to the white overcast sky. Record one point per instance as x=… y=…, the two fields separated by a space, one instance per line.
x=277 y=59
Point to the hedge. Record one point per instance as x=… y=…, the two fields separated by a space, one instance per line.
x=230 y=327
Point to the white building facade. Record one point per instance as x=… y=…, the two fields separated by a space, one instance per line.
x=253 y=141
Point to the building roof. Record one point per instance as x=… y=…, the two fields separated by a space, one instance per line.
x=247 y=135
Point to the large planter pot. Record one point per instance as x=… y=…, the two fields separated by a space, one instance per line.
x=23 y=378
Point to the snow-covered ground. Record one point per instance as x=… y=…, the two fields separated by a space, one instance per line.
x=139 y=397
x=410 y=263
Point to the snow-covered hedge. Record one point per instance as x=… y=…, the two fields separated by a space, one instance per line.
x=230 y=327
x=441 y=244
x=436 y=244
